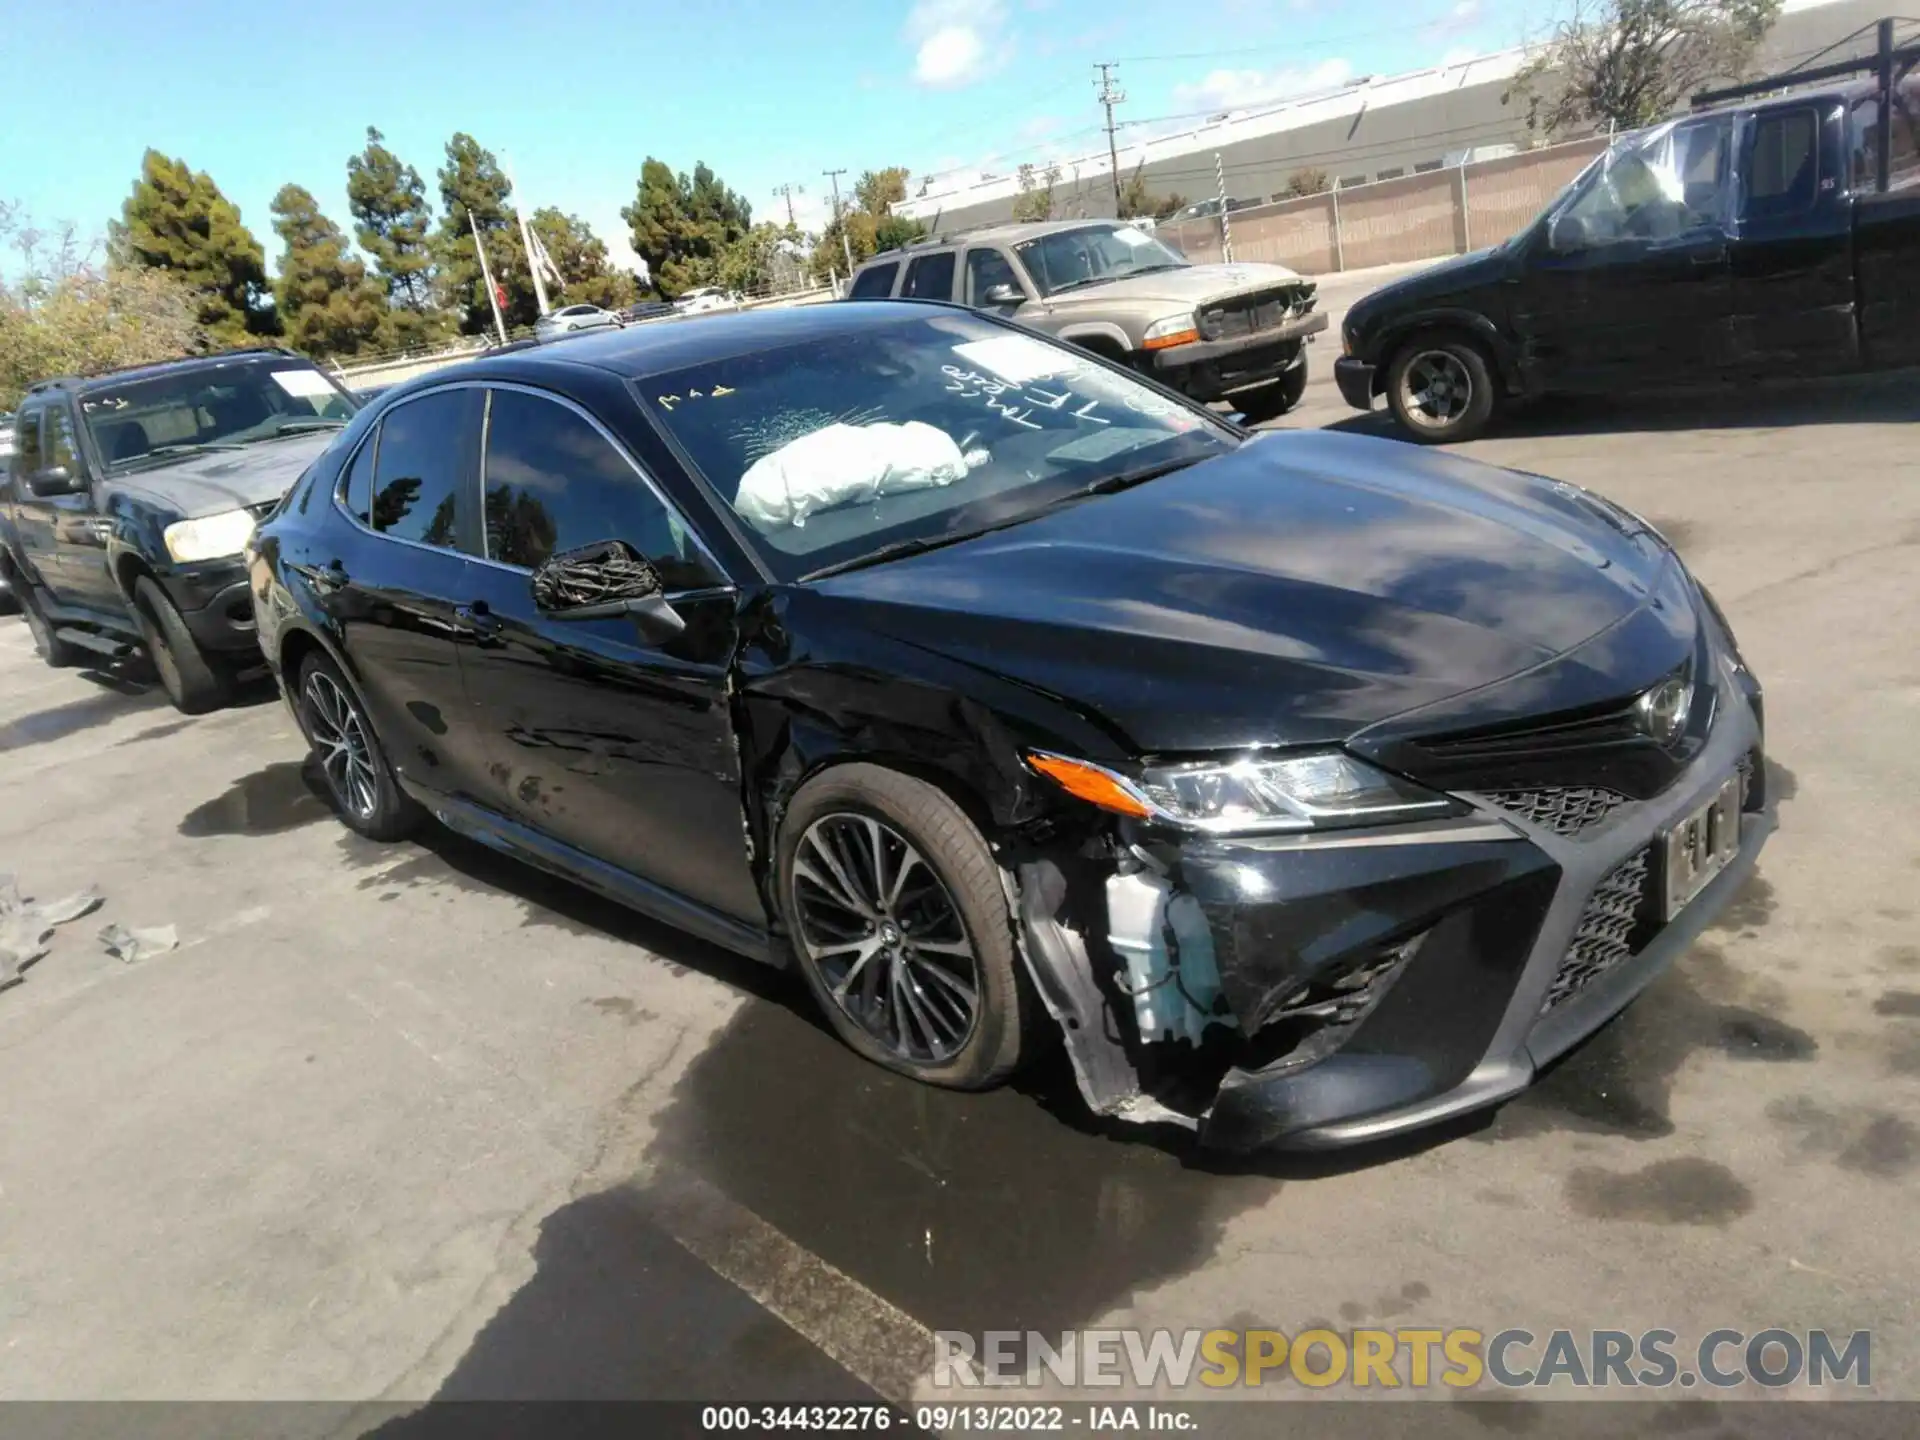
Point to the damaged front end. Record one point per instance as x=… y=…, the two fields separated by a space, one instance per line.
x=1255 y=988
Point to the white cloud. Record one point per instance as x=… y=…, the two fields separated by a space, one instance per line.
x=955 y=42
x=1465 y=12
x=1236 y=89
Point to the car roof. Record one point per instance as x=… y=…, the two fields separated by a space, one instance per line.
x=99 y=379
x=1011 y=233
x=662 y=346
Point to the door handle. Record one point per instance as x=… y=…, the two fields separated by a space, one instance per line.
x=480 y=621
x=325 y=578
x=1709 y=257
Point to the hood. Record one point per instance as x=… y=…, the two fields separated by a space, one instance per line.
x=198 y=485
x=1189 y=285
x=1293 y=592
x=1457 y=276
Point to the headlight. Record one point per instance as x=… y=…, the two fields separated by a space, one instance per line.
x=209 y=537
x=1326 y=789
x=1174 y=330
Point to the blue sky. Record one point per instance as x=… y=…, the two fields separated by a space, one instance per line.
x=576 y=93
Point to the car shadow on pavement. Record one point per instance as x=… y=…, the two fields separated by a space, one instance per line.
x=1891 y=399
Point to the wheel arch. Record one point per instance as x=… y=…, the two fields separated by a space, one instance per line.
x=1457 y=324
x=1107 y=341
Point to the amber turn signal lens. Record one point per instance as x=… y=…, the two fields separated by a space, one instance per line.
x=1090 y=783
x=1167 y=342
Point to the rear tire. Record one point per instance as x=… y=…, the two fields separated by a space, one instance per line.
x=1441 y=388
x=365 y=793
x=920 y=973
x=1270 y=402
x=194 y=682
x=55 y=651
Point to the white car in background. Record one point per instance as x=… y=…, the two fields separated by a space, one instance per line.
x=569 y=318
x=704 y=299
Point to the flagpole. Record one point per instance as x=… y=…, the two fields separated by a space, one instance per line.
x=486 y=278
x=526 y=241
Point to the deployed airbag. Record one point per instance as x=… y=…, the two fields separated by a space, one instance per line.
x=845 y=465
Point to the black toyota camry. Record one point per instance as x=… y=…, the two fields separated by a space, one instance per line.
x=1312 y=787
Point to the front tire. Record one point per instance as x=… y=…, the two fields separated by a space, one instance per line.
x=1441 y=389
x=365 y=793
x=1270 y=402
x=901 y=927
x=194 y=682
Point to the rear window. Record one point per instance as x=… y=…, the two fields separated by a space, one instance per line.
x=875 y=282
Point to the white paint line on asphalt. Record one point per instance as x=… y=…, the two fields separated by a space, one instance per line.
x=239 y=920
x=870 y=1338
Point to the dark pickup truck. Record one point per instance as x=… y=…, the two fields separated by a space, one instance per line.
x=132 y=495
x=1764 y=239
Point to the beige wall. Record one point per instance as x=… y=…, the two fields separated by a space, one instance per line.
x=1418 y=217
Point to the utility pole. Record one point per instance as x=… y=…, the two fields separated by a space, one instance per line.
x=527 y=242
x=786 y=193
x=486 y=278
x=1111 y=95
x=845 y=244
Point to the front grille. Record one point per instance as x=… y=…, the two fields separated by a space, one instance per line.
x=1604 y=936
x=1565 y=810
x=1250 y=314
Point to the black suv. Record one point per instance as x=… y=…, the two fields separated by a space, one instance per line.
x=132 y=495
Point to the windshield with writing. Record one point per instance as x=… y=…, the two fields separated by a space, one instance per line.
x=1091 y=254
x=921 y=429
x=145 y=421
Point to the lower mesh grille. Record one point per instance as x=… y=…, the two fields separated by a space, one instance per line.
x=1565 y=810
x=1605 y=934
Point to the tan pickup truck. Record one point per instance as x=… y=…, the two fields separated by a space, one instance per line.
x=1236 y=332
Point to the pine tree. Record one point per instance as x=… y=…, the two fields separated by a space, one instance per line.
x=581 y=258
x=177 y=220
x=394 y=225
x=472 y=183
x=684 y=225
x=328 y=304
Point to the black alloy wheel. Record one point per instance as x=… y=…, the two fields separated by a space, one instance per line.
x=885 y=935
x=364 y=791
x=900 y=923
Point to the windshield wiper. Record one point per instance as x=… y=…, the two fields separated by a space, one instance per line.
x=893 y=551
x=298 y=427
x=1117 y=275
x=169 y=452
x=1127 y=479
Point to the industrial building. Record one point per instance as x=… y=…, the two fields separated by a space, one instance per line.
x=1376 y=128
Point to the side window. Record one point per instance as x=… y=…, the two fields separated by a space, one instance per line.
x=986 y=269
x=875 y=282
x=422 y=468
x=555 y=483
x=26 y=443
x=1865 y=149
x=57 y=438
x=1783 y=164
x=930 y=277
x=356 y=492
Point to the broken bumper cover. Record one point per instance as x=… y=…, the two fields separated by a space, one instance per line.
x=1209 y=370
x=1355 y=379
x=1375 y=982
x=1468 y=1021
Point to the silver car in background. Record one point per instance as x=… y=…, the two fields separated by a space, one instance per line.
x=569 y=318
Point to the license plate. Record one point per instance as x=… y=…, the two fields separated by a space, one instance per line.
x=1699 y=847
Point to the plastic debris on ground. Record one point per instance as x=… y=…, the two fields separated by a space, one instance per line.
x=130 y=945
x=26 y=927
